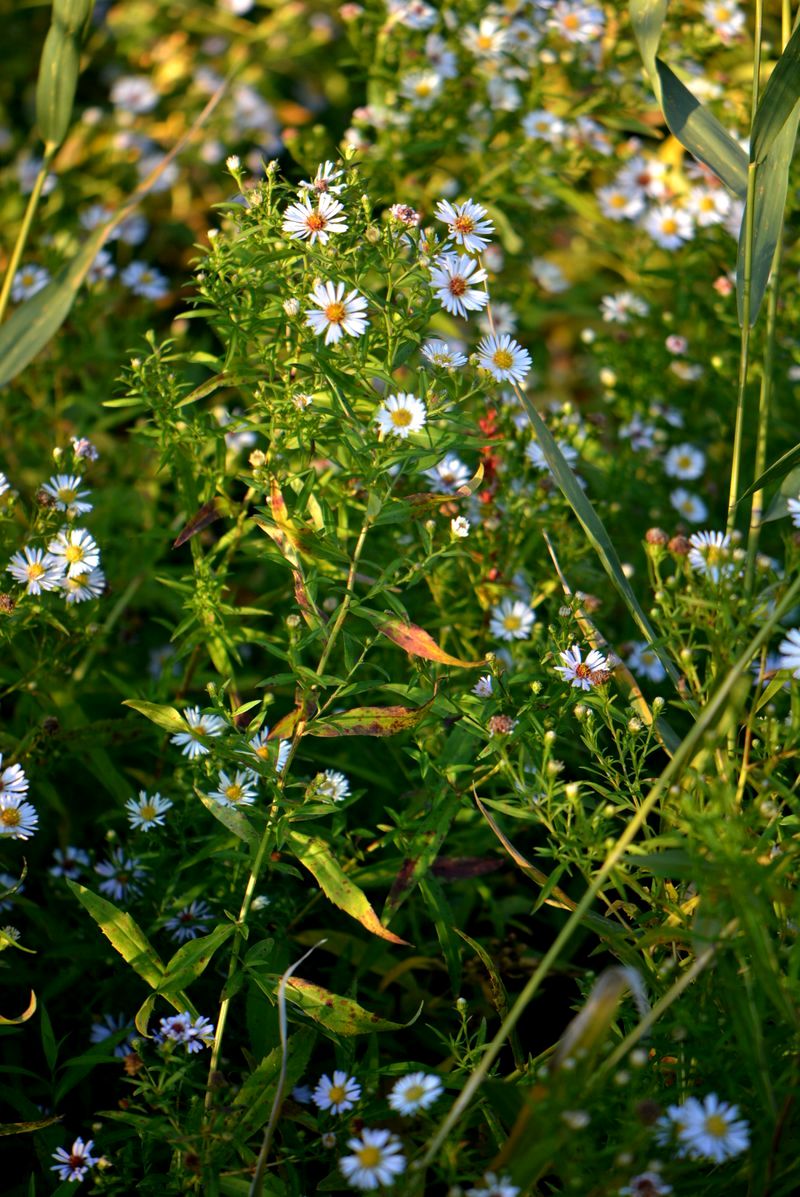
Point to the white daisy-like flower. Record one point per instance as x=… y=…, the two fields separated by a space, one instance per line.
x=325 y=180
x=421 y=88
x=512 y=620
x=133 y=93
x=579 y=673
x=669 y=226
x=620 y=203
x=543 y=126
x=684 y=462
x=305 y=222
x=102 y=268
x=112 y=1024
x=190 y=742
x=449 y=474
x=27 y=281
x=414 y=14
x=710 y=554
x=576 y=22
x=489 y=39
x=4 y=483
x=76 y=550
x=467 y=224
x=261 y=747
x=688 y=505
x=337 y=1095
x=549 y=276
x=503 y=318
x=82 y=447
x=484 y=687
x=459 y=526
x=727 y=20
x=200 y=1034
x=493 y=1185
x=239 y=790
x=377 y=1159
x=147 y=811
x=455 y=279
x=190 y=921
x=439 y=354
x=145 y=280
x=415 y=1092
x=794 y=511
x=789 y=652
x=400 y=415
x=642 y=659
x=69 y=863
x=18 y=818
x=123 y=875
x=618 y=309
x=504 y=358
x=331 y=785
x=714 y=1130
x=536 y=457
x=194 y=1034
x=75 y=1163
x=708 y=205
x=646 y=1184
x=82 y=587
x=12 y=780
x=338 y=314
x=36 y=569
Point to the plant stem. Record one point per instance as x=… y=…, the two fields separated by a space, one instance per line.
x=25 y=228
x=764 y=401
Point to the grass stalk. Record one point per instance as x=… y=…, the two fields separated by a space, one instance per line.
x=24 y=232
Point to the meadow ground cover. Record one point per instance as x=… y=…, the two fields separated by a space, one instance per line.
x=400 y=615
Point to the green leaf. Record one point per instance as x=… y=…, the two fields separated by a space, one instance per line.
x=22 y=1128
x=339 y=1014
x=234 y=820
x=777 y=470
x=771 y=185
x=368 y=721
x=192 y=958
x=695 y=128
x=778 y=100
x=316 y=856
x=428 y=835
x=789 y=489
x=163 y=716
x=123 y=933
x=256 y=1095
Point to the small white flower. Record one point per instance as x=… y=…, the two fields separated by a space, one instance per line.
x=714 y=1130
x=239 y=790
x=194 y=1034
x=145 y=812
x=459 y=526
x=338 y=314
x=376 y=1160
x=620 y=203
x=441 y=355
x=449 y=474
x=65 y=489
x=543 y=126
x=489 y=39
x=504 y=358
x=112 y=1024
x=75 y=1163
x=577 y=22
x=36 y=569
x=83 y=447
x=493 y=1185
x=688 y=505
x=580 y=673
x=415 y=1092
x=414 y=14
x=642 y=659
x=303 y=221
x=789 y=650
x=199 y=725
x=324 y=180
x=133 y=93
x=646 y=1184
x=76 y=549
x=512 y=620
x=484 y=687
x=102 y=268
x=454 y=278
x=421 y=87
x=467 y=224
x=69 y=863
x=4 y=483
x=331 y=785
x=337 y=1095
x=190 y=921
x=144 y=280
x=27 y=281
x=794 y=511
x=618 y=309
x=726 y=19
x=669 y=226
x=123 y=875
x=684 y=462
x=710 y=554
x=708 y=205
x=81 y=587
x=538 y=460
x=18 y=818
x=12 y=780
x=400 y=415
x=549 y=276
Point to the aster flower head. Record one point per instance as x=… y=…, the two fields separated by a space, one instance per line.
x=193 y=1034
x=583 y=674
x=421 y=88
x=405 y=215
x=69 y=862
x=794 y=511
x=669 y=226
x=493 y=1185
x=710 y=554
x=145 y=281
x=377 y=1159
x=261 y=747
x=642 y=659
x=146 y=811
x=414 y=1092
x=13 y=781
x=82 y=447
x=304 y=222
x=449 y=474
x=789 y=652
x=75 y=1163
x=122 y=875
x=79 y=588
x=489 y=39
x=542 y=125
x=239 y=790
x=113 y=1024
x=400 y=415
x=504 y=358
x=76 y=551
x=27 y=281
x=620 y=203
x=18 y=818
x=536 y=457
x=455 y=279
x=646 y=1184
x=190 y=742
x=713 y=1130
x=36 y=569
x=577 y=22
x=512 y=620
x=439 y=354
x=467 y=224
x=684 y=462
x=325 y=180
x=459 y=527
x=134 y=93
x=690 y=506
x=4 y=483
x=190 y=921
x=331 y=785
x=484 y=687
x=338 y=313
x=338 y=1094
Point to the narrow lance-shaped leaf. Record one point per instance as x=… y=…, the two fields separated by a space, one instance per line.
x=123 y=933
x=192 y=959
x=779 y=469
x=368 y=721
x=163 y=716
x=778 y=100
x=23 y=1017
x=419 y=643
x=339 y=1014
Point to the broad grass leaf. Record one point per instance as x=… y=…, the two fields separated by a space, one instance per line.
x=256 y=1095
x=192 y=959
x=789 y=489
x=339 y=1014
x=369 y=721
x=163 y=716
x=419 y=643
x=23 y=1017
x=769 y=203
x=315 y=855
x=778 y=100
x=777 y=470
x=123 y=933
x=426 y=841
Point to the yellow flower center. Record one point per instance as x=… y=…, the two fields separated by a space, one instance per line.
x=721 y=13
x=572 y=21
x=414 y=1093
x=484 y=41
x=316 y=222
x=716 y=1125
x=511 y=623
x=262 y=751
x=233 y=793
x=464 y=224
x=423 y=89
x=147 y=812
x=669 y=226
x=582 y=670
x=706 y=204
x=10 y=817
x=66 y=494
x=337 y=1094
x=335 y=313
x=369 y=1157
x=35 y=570
x=618 y=200
x=74 y=553
x=503 y=359
x=401 y=417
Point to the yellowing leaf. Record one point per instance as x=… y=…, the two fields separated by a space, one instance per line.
x=26 y=1014
x=419 y=643
x=336 y=1013
x=368 y=721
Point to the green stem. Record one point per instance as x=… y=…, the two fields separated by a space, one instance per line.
x=25 y=228
x=764 y=402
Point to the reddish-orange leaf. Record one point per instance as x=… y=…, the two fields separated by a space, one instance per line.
x=369 y=721
x=419 y=643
